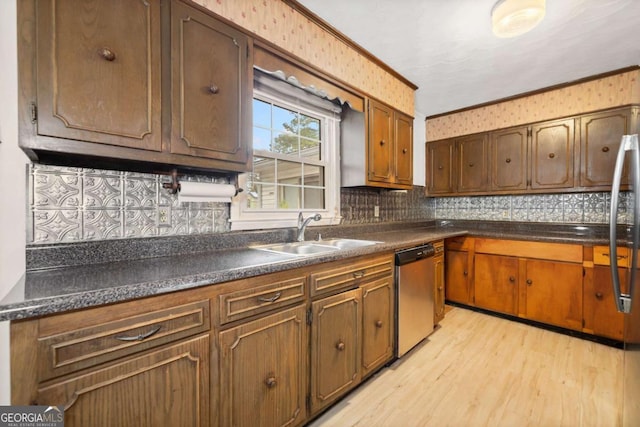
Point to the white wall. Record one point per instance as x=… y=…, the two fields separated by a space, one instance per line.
x=419 y=135
x=13 y=179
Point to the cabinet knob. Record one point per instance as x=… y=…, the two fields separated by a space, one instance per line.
x=512 y=279
x=107 y=54
x=529 y=282
x=440 y=167
x=599 y=295
x=404 y=150
x=508 y=160
x=465 y=273
x=605 y=149
x=440 y=288
x=470 y=165
x=340 y=346
x=213 y=89
x=551 y=155
x=271 y=382
x=378 y=323
x=382 y=142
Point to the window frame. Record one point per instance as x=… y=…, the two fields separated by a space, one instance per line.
x=285 y=95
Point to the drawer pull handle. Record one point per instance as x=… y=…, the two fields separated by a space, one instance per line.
x=340 y=346
x=271 y=382
x=271 y=299
x=139 y=337
x=599 y=295
x=618 y=257
x=358 y=274
x=378 y=323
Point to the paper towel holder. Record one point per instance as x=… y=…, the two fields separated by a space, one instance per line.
x=174 y=185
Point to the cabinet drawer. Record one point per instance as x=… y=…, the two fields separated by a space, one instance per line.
x=86 y=347
x=348 y=274
x=601 y=256
x=243 y=303
x=460 y=243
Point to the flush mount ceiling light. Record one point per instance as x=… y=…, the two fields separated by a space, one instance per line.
x=510 y=18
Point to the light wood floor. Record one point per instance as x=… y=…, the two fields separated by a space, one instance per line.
x=479 y=370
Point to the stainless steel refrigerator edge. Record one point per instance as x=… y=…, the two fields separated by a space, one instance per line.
x=625 y=297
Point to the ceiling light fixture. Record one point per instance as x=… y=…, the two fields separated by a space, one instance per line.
x=510 y=18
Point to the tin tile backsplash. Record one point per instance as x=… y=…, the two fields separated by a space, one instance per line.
x=72 y=204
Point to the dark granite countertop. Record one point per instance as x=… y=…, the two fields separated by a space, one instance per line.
x=49 y=286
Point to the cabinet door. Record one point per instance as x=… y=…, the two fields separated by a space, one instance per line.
x=98 y=71
x=438 y=264
x=552 y=155
x=457 y=277
x=496 y=283
x=553 y=293
x=472 y=163
x=381 y=146
x=167 y=387
x=377 y=324
x=403 y=149
x=335 y=347
x=600 y=314
x=440 y=167
x=263 y=378
x=509 y=159
x=211 y=87
x=600 y=136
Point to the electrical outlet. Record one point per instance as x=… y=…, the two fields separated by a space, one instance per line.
x=376 y=211
x=164 y=217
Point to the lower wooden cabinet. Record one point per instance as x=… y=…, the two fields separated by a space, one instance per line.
x=335 y=347
x=457 y=273
x=601 y=317
x=377 y=324
x=496 y=283
x=263 y=376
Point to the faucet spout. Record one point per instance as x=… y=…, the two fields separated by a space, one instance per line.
x=302 y=224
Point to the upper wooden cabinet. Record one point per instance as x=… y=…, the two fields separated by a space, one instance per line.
x=567 y=155
x=98 y=72
x=133 y=84
x=210 y=87
x=600 y=135
x=552 y=154
x=376 y=147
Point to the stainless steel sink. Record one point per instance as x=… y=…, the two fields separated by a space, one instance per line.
x=315 y=247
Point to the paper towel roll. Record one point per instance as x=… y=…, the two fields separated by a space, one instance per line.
x=205 y=192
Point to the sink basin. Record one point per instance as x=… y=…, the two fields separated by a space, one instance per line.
x=315 y=247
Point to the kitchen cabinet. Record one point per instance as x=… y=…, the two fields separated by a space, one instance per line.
x=146 y=86
x=508 y=159
x=496 y=283
x=377 y=324
x=458 y=270
x=438 y=282
x=377 y=148
x=119 y=364
x=552 y=154
x=601 y=316
x=440 y=167
x=263 y=377
x=565 y=155
x=472 y=163
x=335 y=347
x=211 y=89
x=600 y=135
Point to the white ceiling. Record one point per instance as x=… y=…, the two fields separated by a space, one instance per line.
x=446 y=47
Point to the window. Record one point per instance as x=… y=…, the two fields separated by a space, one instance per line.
x=295 y=160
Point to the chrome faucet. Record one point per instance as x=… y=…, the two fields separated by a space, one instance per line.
x=302 y=224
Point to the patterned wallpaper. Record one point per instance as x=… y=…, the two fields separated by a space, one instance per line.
x=612 y=91
x=288 y=29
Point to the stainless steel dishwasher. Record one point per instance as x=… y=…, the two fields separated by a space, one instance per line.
x=415 y=296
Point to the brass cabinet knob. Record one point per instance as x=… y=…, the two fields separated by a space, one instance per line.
x=605 y=149
x=271 y=382
x=465 y=273
x=340 y=346
x=404 y=150
x=213 y=89
x=440 y=167
x=470 y=165
x=529 y=282
x=512 y=279
x=551 y=155
x=378 y=323
x=508 y=160
x=107 y=54
x=382 y=142
x=599 y=295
